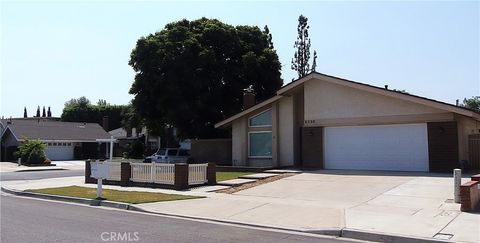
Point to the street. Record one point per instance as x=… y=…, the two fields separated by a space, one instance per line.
x=31 y=220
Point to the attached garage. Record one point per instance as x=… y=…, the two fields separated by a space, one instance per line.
x=60 y=151
x=400 y=147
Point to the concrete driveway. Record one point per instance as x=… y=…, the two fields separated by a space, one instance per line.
x=413 y=204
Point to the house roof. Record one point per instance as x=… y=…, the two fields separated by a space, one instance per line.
x=354 y=84
x=47 y=130
x=121 y=133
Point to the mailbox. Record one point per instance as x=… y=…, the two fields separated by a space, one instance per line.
x=99 y=170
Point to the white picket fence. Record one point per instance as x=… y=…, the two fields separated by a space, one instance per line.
x=153 y=173
x=114 y=169
x=197 y=174
x=157 y=173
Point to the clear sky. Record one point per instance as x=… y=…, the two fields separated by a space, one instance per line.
x=54 y=51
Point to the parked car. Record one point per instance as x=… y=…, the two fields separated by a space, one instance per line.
x=169 y=156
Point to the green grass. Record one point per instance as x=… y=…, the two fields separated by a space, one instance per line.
x=223 y=176
x=112 y=195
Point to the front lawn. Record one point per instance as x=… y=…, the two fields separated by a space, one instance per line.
x=112 y=195
x=223 y=176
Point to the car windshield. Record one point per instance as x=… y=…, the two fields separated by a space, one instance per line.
x=172 y=152
x=161 y=152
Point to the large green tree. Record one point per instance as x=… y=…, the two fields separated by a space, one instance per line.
x=300 y=60
x=472 y=103
x=191 y=74
x=81 y=110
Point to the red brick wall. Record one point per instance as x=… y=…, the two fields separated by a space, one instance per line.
x=470 y=196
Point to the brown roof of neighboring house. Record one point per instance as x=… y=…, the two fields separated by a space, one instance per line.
x=47 y=130
x=391 y=93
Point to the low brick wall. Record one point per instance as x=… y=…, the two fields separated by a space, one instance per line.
x=470 y=196
x=181 y=177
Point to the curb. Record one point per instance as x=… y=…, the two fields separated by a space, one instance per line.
x=382 y=237
x=335 y=232
x=45 y=169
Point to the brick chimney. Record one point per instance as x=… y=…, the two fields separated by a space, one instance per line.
x=105 y=123
x=248 y=97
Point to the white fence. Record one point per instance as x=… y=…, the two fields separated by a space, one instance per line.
x=114 y=171
x=153 y=173
x=157 y=173
x=197 y=174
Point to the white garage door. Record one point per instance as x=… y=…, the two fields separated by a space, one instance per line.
x=383 y=147
x=59 y=151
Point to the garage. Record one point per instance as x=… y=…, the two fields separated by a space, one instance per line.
x=60 y=151
x=399 y=147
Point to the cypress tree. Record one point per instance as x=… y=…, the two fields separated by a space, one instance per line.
x=302 y=54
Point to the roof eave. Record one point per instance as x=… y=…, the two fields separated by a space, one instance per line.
x=229 y=120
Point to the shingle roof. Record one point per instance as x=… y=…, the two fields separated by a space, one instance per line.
x=56 y=130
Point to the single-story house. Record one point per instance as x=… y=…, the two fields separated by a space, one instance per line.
x=125 y=136
x=63 y=140
x=333 y=123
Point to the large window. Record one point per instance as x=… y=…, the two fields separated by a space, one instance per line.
x=261 y=120
x=260 y=144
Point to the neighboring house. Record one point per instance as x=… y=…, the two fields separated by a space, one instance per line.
x=125 y=136
x=64 y=140
x=152 y=142
x=332 y=123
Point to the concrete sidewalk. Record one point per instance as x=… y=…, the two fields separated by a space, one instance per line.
x=416 y=205
x=59 y=165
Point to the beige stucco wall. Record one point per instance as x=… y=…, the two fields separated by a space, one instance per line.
x=466 y=126
x=239 y=140
x=286 y=132
x=329 y=101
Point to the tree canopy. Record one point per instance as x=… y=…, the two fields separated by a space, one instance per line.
x=472 y=103
x=81 y=110
x=191 y=74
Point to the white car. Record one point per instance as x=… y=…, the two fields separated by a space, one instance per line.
x=169 y=156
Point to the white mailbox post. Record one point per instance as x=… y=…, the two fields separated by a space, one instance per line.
x=99 y=171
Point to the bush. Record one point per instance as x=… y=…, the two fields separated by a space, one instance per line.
x=134 y=150
x=32 y=152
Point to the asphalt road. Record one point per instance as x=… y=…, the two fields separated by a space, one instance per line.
x=31 y=220
x=35 y=175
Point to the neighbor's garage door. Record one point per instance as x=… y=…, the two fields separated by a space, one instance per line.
x=383 y=147
x=59 y=151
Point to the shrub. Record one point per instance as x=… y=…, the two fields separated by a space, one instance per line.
x=32 y=152
x=134 y=150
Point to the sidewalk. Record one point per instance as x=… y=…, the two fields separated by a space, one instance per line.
x=415 y=206
x=60 y=165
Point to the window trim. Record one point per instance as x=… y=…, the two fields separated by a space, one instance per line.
x=258 y=114
x=254 y=156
